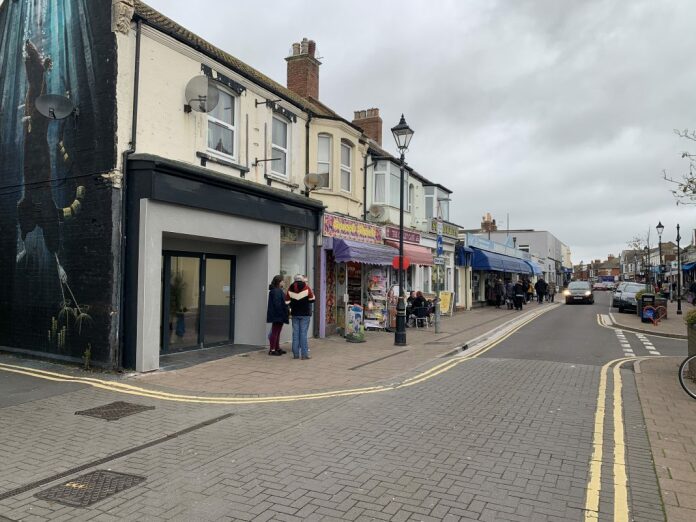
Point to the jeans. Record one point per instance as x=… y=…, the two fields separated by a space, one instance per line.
x=300 y=325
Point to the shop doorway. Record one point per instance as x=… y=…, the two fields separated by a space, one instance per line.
x=197 y=300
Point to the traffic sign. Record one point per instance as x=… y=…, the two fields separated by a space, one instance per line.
x=439 y=244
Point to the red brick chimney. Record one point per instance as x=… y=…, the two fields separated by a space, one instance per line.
x=303 y=69
x=371 y=123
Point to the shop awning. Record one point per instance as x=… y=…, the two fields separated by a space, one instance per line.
x=688 y=266
x=536 y=269
x=417 y=255
x=490 y=261
x=367 y=253
x=460 y=255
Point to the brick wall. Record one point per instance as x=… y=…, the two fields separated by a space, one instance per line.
x=303 y=69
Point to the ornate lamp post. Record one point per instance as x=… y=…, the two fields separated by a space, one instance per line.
x=679 y=273
x=660 y=228
x=646 y=268
x=402 y=135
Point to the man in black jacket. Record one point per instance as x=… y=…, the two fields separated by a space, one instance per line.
x=540 y=287
x=300 y=298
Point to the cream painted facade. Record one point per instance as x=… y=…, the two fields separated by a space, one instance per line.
x=337 y=200
x=165 y=129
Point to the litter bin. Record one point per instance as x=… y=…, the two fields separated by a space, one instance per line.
x=647 y=315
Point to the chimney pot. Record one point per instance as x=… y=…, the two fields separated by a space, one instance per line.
x=304 y=46
x=312 y=47
x=295 y=49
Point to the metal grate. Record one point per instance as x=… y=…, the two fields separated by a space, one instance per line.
x=90 y=488
x=115 y=410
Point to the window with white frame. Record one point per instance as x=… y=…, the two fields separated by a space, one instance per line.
x=430 y=202
x=221 y=125
x=281 y=146
x=394 y=185
x=410 y=197
x=324 y=143
x=346 y=166
x=380 y=180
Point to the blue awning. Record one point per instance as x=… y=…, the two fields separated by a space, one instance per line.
x=536 y=269
x=689 y=266
x=490 y=261
x=367 y=253
x=460 y=255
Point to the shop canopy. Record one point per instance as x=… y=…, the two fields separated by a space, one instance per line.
x=688 y=266
x=536 y=269
x=417 y=255
x=367 y=253
x=490 y=261
x=461 y=253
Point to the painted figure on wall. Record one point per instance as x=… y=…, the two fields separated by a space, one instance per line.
x=55 y=207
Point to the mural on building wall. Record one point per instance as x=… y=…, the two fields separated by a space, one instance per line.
x=56 y=261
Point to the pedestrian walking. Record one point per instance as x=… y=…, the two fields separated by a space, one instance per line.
x=541 y=287
x=551 y=291
x=300 y=298
x=530 y=291
x=520 y=290
x=509 y=294
x=499 y=293
x=276 y=314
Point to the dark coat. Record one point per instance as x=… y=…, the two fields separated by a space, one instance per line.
x=541 y=287
x=300 y=298
x=277 y=311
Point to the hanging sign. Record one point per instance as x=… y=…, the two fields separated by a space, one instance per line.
x=409 y=235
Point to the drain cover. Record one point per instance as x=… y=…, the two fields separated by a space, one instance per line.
x=115 y=410
x=90 y=488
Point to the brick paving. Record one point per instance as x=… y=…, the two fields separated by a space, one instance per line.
x=670 y=417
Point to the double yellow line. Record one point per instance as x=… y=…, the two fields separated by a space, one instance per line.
x=128 y=389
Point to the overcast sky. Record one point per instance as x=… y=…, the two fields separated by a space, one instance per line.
x=558 y=113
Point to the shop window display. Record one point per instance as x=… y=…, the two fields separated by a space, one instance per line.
x=376 y=302
x=293 y=253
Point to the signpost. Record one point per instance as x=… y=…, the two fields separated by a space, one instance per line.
x=439 y=252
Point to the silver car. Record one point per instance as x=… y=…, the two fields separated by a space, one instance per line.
x=626 y=300
x=578 y=292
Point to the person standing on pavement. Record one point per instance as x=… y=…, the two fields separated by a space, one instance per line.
x=509 y=294
x=276 y=314
x=300 y=298
x=520 y=290
x=530 y=291
x=499 y=293
x=551 y=291
x=540 y=288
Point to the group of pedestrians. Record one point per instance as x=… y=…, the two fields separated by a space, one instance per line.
x=516 y=294
x=296 y=302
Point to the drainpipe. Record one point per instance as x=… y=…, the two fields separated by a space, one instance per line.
x=124 y=192
x=367 y=153
x=309 y=119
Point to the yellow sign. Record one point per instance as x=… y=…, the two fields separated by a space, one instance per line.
x=446 y=302
x=448 y=230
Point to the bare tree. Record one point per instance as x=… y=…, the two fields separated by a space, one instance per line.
x=685 y=191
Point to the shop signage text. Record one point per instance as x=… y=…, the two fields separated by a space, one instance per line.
x=409 y=236
x=491 y=246
x=447 y=229
x=345 y=228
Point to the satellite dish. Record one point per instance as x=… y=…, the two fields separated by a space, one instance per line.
x=312 y=181
x=54 y=106
x=376 y=211
x=201 y=94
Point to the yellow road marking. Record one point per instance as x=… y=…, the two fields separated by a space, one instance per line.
x=594 y=485
x=129 y=389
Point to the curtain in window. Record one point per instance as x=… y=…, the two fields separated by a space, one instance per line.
x=324 y=155
x=380 y=188
x=224 y=110
x=220 y=138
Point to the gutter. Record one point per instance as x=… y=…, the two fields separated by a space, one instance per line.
x=124 y=195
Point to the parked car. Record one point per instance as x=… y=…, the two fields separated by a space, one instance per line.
x=627 y=299
x=616 y=294
x=578 y=292
x=599 y=285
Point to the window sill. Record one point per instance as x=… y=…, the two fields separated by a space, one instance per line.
x=205 y=157
x=280 y=179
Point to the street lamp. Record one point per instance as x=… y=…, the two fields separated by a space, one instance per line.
x=646 y=268
x=660 y=228
x=402 y=135
x=679 y=273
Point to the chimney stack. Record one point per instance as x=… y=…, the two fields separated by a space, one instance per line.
x=370 y=122
x=303 y=69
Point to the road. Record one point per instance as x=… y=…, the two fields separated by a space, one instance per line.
x=512 y=433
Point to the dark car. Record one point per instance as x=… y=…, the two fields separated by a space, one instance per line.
x=578 y=292
x=627 y=299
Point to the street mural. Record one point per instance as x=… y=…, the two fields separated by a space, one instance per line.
x=56 y=261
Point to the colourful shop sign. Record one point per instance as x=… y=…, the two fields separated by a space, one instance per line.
x=409 y=235
x=448 y=230
x=346 y=228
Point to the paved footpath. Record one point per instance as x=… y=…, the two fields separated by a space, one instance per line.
x=489 y=439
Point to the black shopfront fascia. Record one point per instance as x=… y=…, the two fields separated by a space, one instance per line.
x=160 y=179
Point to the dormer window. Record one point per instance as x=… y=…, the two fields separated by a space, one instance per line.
x=221 y=125
x=281 y=146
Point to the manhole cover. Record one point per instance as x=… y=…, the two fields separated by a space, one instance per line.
x=90 y=488
x=115 y=410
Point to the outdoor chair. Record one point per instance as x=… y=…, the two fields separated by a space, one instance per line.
x=422 y=316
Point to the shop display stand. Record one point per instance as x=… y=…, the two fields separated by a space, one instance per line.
x=375 y=314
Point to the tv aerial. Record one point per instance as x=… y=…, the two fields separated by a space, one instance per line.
x=55 y=106
x=201 y=94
